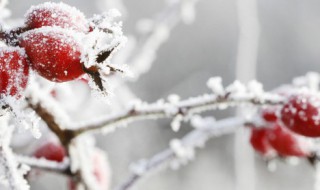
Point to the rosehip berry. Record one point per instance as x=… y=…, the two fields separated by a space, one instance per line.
x=287 y=143
x=269 y=114
x=56 y=14
x=53 y=53
x=14 y=70
x=301 y=115
x=51 y=151
x=259 y=141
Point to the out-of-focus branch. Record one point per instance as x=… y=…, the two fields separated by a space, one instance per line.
x=194 y=139
x=47 y=165
x=144 y=53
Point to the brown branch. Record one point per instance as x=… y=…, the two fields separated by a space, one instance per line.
x=64 y=135
x=11 y=37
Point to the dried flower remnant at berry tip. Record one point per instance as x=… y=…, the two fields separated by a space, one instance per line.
x=56 y=14
x=54 y=53
x=301 y=114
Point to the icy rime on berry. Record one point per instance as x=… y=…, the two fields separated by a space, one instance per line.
x=54 y=53
x=56 y=14
x=51 y=151
x=259 y=141
x=276 y=139
x=287 y=143
x=269 y=114
x=14 y=71
x=301 y=114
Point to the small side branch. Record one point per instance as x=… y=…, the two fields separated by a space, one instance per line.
x=195 y=138
x=47 y=165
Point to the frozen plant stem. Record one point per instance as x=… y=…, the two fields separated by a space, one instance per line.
x=194 y=139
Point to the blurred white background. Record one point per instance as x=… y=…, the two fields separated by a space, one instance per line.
x=289 y=46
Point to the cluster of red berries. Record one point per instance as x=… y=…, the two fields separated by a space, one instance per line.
x=288 y=127
x=48 y=45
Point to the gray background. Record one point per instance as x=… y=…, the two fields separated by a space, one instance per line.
x=289 y=46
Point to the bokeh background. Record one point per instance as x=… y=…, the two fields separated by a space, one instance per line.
x=289 y=46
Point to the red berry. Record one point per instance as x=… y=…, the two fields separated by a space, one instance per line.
x=260 y=142
x=14 y=70
x=301 y=115
x=51 y=151
x=54 y=53
x=269 y=114
x=287 y=143
x=56 y=14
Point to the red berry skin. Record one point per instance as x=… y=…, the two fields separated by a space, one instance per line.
x=301 y=115
x=54 y=54
x=287 y=143
x=259 y=141
x=51 y=151
x=270 y=114
x=56 y=14
x=14 y=71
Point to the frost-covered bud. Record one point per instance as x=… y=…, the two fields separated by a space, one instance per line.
x=236 y=87
x=255 y=87
x=215 y=84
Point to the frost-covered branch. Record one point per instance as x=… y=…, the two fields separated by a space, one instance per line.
x=49 y=111
x=181 y=110
x=47 y=165
x=182 y=150
x=8 y=162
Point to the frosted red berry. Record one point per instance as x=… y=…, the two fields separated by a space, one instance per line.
x=14 y=70
x=270 y=114
x=51 y=151
x=53 y=53
x=56 y=14
x=301 y=114
x=287 y=143
x=259 y=141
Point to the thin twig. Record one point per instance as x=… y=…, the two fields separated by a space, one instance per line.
x=192 y=140
x=190 y=106
x=44 y=164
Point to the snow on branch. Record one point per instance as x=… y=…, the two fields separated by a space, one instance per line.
x=234 y=95
x=44 y=164
x=10 y=167
x=181 y=151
